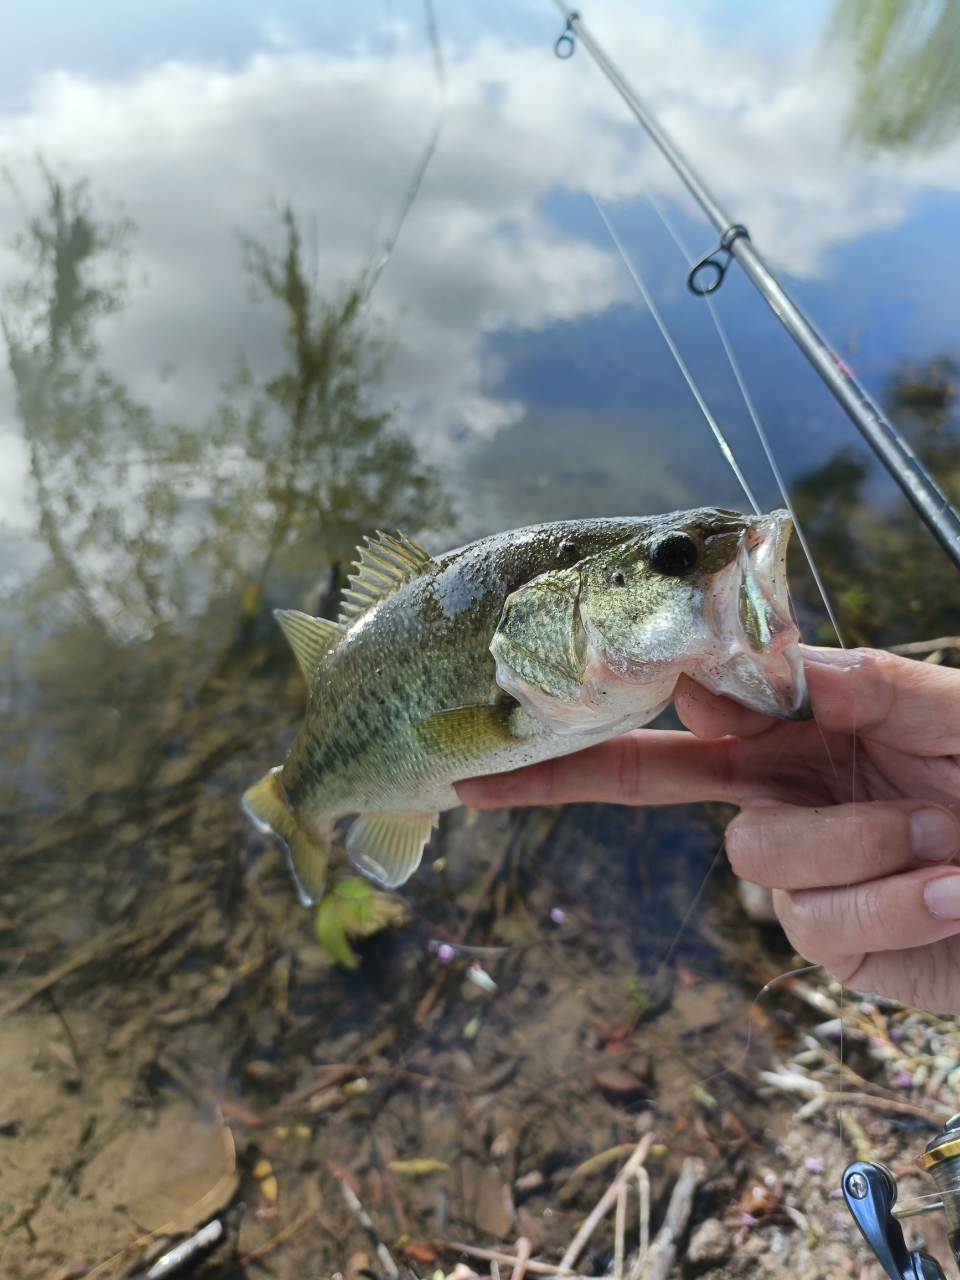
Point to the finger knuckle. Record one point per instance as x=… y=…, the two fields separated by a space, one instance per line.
x=629 y=772
x=800 y=915
x=744 y=842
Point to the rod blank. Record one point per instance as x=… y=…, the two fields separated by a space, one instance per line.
x=892 y=450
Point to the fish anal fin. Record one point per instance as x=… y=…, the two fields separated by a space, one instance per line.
x=309 y=637
x=307 y=855
x=466 y=734
x=388 y=847
x=385 y=565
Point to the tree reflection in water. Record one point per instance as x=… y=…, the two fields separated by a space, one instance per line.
x=907 y=57
x=164 y=540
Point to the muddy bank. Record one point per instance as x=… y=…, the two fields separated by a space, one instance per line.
x=178 y=1045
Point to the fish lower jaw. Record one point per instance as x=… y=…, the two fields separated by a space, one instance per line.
x=772 y=683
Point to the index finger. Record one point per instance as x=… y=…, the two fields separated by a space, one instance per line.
x=646 y=766
x=897 y=702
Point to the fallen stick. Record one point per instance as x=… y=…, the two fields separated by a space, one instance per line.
x=593 y=1165
x=620 y=1224
x=884 y=1104
x=326 y=1078
x=926 y=646
x=523 y=1257
x=643 y=1193
x=103 y=946
x=494 y=1255
x=271 y=1244
x=383 y=1253
x=663 y=1251
x=430 y=998
x=605 y=1201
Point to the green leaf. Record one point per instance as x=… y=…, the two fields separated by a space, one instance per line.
x=353 y=909
x=331 y=934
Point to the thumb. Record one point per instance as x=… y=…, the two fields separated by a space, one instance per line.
x=711 y=715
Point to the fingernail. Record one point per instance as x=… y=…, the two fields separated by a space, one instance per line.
x=942 y=896
x=828 y=657
x=933 y=835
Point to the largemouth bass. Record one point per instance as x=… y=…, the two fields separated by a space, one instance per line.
x=519 y=647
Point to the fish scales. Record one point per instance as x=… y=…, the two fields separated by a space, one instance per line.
x=428 y=652
x=522 y=646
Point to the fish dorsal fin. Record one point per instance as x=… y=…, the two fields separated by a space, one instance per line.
x=384 y=566
x=309 y=637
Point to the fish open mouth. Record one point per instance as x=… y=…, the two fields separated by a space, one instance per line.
x=751 y=614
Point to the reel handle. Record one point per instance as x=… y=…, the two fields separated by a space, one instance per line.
x=871 y=1192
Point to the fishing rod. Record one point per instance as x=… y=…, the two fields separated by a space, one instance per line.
x=707 y=274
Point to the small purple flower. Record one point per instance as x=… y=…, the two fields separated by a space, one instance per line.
x=558 y=915
x=814 y=1164
x=904 y=1080
x=445 y=953
x=747 y=1219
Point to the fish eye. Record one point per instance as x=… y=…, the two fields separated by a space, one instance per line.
x=568 y=549
x=617 y=579
x=675 y=554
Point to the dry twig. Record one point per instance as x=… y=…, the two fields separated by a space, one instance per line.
x=663 y=1251
x=104 y=946
x=271 y=1244
x=605 y=1201
x=494 y=1255
x=383 y=1253
x=885 y=1104
x=430 y=998
x=523 y=1257
x=643 y=1192
x=620 y=1223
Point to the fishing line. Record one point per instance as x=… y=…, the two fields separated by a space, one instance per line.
x=728 y=454
x=413 y=187
x=755 y=419
x=767 y=986
x=674 y=350
x=801 y=537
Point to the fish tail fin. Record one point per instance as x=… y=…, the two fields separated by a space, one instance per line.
x=266 y=806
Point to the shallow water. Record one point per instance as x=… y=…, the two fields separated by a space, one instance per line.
x=175 y=1042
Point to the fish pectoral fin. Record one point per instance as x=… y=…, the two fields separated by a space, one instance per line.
x=461 y=734
x=388 y=846
x=309 y=637
x=307 y=855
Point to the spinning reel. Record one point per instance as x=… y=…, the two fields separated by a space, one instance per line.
x=871 y=1195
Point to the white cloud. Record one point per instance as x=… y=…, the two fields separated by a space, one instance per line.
x=195 y=152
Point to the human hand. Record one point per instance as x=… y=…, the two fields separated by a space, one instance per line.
x=849 y=817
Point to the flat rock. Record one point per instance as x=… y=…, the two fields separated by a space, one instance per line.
x=709 y=1243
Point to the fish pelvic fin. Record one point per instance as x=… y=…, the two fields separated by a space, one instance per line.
x=309 y=637
x=388 y=847
x=385 y=565
x=266 y=806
